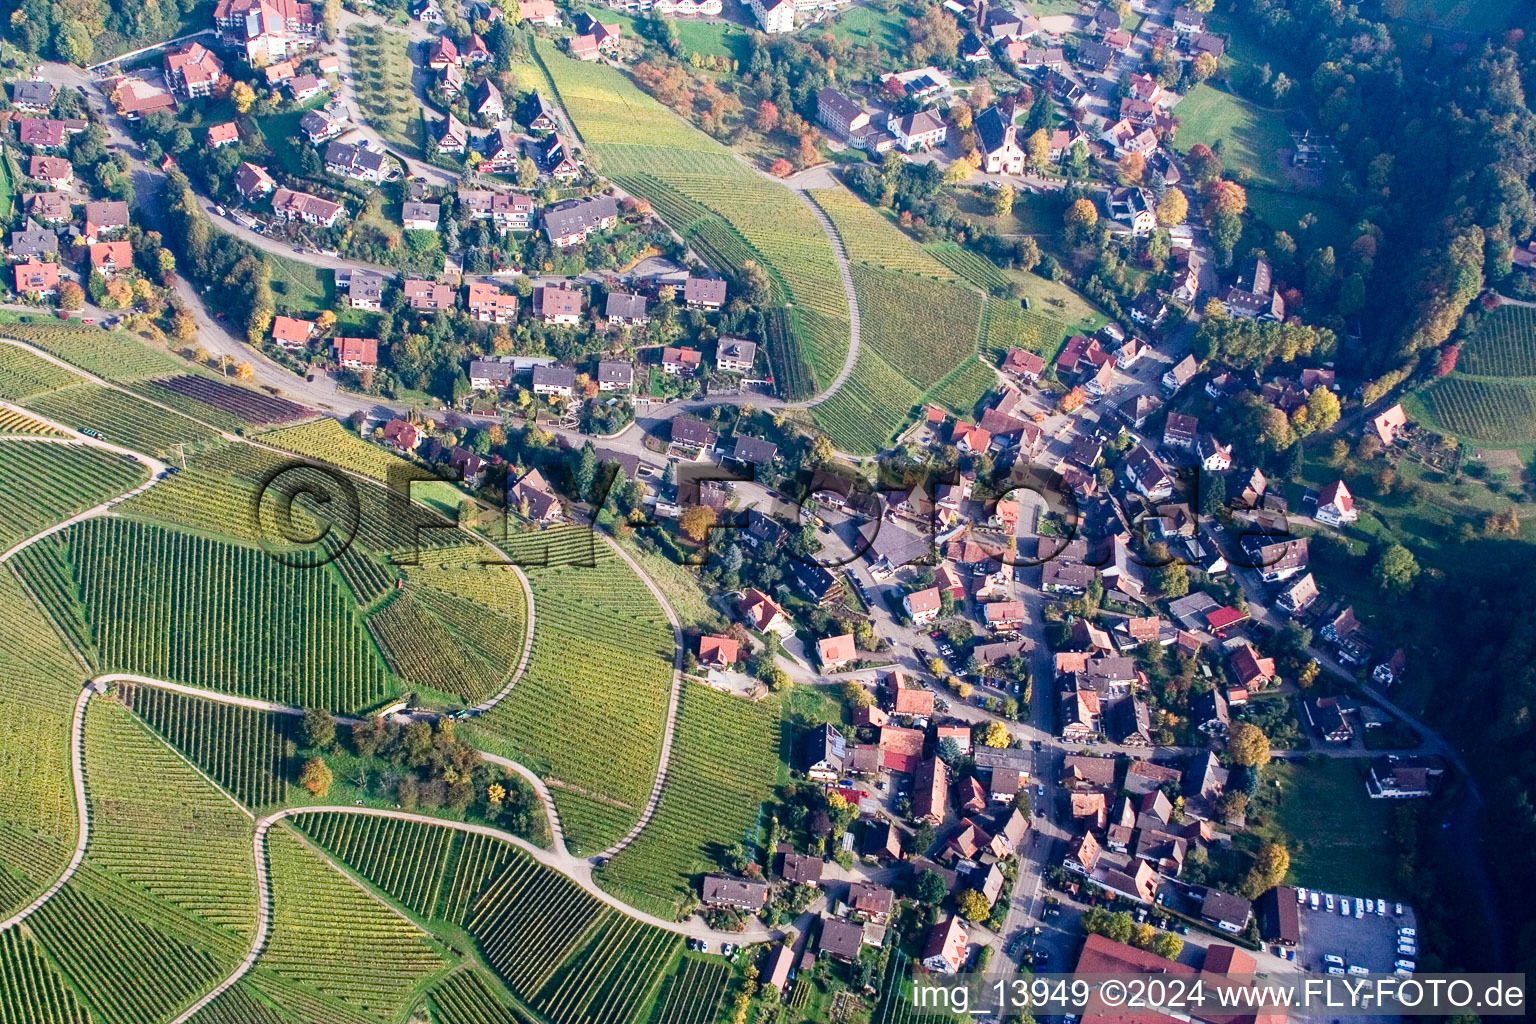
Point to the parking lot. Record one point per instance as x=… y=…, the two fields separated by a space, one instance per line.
x=1369 y=942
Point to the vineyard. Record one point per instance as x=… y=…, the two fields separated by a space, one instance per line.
x=1504 y=344
x=23 y=375
x=238 y=1006
x=334 y=939
x=238 y=403
x=113 y=355
x=791 y=373
x=222 y=616
x=528 y=922
x=19 y=423
x=124 y=420
x=327 y=440
x=962 y=391
x=870 y=238
x=1005 y=324
x=724 y=758
x=1487 y=409
x=864 y=414
x=424 y=650
x=403 y=858
x=158 y=825
x=972 y=266
x=44 y=482
x=923 y=328
x=466 y=998
x=31 y=991
x=241 y=749
x=608 y=108
x=589 y=710
x=476 y=860
x=608 y=980
x=694 y=993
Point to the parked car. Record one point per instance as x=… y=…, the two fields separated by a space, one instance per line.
x=1408 y=933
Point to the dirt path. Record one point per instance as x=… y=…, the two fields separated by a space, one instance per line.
x=845 y=272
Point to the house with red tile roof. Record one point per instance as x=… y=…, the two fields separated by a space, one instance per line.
x=291 y=333
x=719 y=651
x=834 y=652
x=761 y=611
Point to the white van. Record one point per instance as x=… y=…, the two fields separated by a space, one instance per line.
x=1336 y=961
x=1314 y=900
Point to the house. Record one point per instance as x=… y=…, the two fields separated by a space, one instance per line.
x=1326 y=717
x=922 y=130
x=693 y=433
x=571 y=223
x=1280 y=917
x=735 y=355
x=1225 y=911
x=488 y=304
x=290 y=333
x=971 y=439
x=267 y=30
x=365 y=289
x=1335 y=505
x=835 y=652
x=1147 y=474
x=442 y=53
x=1095 y=56
x=558 y=160
x=1023 y=364
x=762 y=612
x=1180 y=374
x=997 y=137
x=1403 y=778
x=533 y=499
x=1299 y=596
x=840 y=939
x=720 y=651
x=623 y=309
x=220 y=135
x=1254 y=295
x=1137 y=881
x=277 y=74
x=680 y=361
x=402 y=435
x=1049 y=57
x=930 y=789
x=1129 y=354
x=1208 y=712
x=734 y=893
x=486 y=101
x=252 y=181
x=922 y=605
x=1214 y=456
x=839 y=113
x=872 y=902
x=305 y=87
x=351 y=161
x=32 y=95
x=476 y=52
x=48 y=208
x=775 y=16
x=489 y=374
x=37 y=278
x=33 y=241
x=944 y=952
x=107 y=258
x=1132 y=207
x=1138 y=410
x=451 y=135
x=1180 y=431
x=1276 y=560
x=1250 y=670
x=1187 y=21
x=822 y=753
x=1207 y=42
x=561 y=305
x=1389 y=424
x=1083 y=856
x=1128 y=722
x=704 y=293
x=469 y=466
x=503 y=210
x=557 y=381
x=318 y=127
x=105 y=218
x=1004 y=616
x=356 y=353
x=429 y=295
x=542 y=116
x=539 y=12
x=192 y=70
x=420 y=216
x=44 y=133
x=290 y=205
x=615 y=375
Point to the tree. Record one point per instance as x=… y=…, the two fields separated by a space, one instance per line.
x=1203 y=162
x=1168 y=945
x=1038 y=146
x=972 y=905
x=1171 y=579
x=316 y=776
x=858 y=695
x=1247 y=745
x=1395 y=571
x=1232 y=805
x=1215 y=496
x=245 y=371
x=696 y=521
x=1172 y=209
x=929 y=887
x=242 y=96
x=997 y=735
x=1322 y=409
x=1225 y=197
x=319 y=729
x=468 y=512
x=1081 y=214
x=1133 y=167
x=71 y=295
x=1002 y=200
x=767 y=116
x=1269 y=867
x=1203 y=68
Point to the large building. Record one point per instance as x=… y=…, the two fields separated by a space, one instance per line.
x=997 y=136
x=266 y=30
x=775 y=16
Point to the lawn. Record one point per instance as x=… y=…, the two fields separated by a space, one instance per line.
x=7 y=187
x=1463 y=15
x=1282 y=211
x=1031 y=215
x=302 y=287
x=1243 y=133
x=866 y=26
x=1337 y=835
x=714 y=39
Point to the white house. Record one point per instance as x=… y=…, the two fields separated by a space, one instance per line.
x=1335 y=505
x=775 y=16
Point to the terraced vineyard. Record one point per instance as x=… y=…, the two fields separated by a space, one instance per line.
x=113 y=355
x=1489 y=409
x=868 y=237
x=602 y=655
x=971 y=266
x=20 y=423
x=31 y=991
x=865 y=413
x=43 y=482
x=963 y=390
x=466 y=998
x=242 y=749
x=329 y=441
x=1504 y=344
x=334 y=940
x=218 y=615
x=24 y=375
x=125 y=420
x=156 y=824
x=694 y=993
x=404 y=858
x=724 y=757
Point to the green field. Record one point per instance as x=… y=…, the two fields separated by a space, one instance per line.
x=864 y=25
x=602 y=657
x=713 y=39
x=46 y=482
x=404 y=858
x=963 y=390
x=7 y=188
x=301 y=287
x=1333 y=829
x=723 y=763
x=1249 y=136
